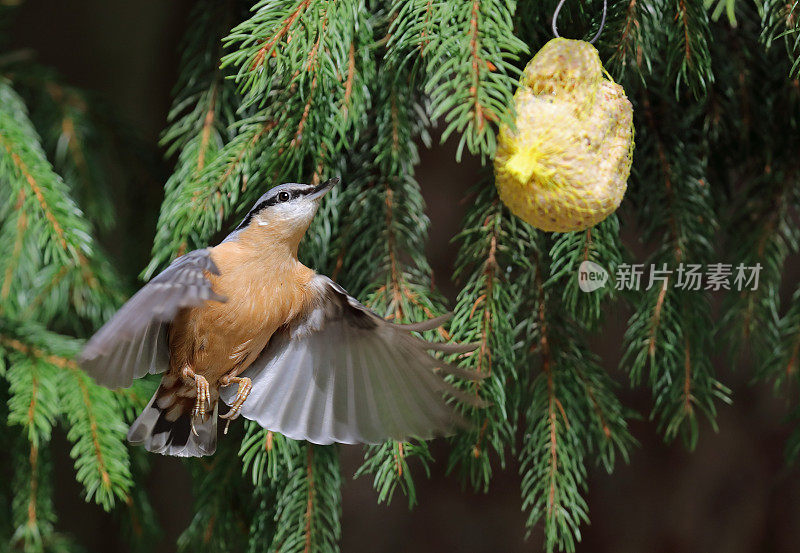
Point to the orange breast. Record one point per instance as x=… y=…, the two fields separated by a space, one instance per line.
x=265 y=290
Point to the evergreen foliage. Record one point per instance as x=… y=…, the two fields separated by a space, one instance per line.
x=302 y=90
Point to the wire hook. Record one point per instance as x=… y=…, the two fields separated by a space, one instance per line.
x=602 y=21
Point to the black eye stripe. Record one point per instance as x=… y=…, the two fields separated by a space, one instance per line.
x=274 y=200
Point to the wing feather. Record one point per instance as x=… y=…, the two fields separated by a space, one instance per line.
x=134 y=341
x=341 y=373
x=347 y=422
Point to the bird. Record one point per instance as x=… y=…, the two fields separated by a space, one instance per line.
x=245 y=322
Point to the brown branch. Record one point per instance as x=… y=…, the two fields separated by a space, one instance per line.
x=101 y=465
x=351 y=70
x=687 y=379
x=476 y=450
x=32 y=405
x=476 y=66
x=655 y=321
x=475 y=305
x=791 y=367
x=391 y=245
x=209 y=531
x=398 y=459
x=552 y=420
x=22 y=167
x=312 y=62
x=632 y=27
x=339 y=265
x=424 y=41
x=272 y=42
x=552 y=415
x=136 y=524
x=208 y=124
x=298 y=135
x=58 y=361
x=490 y=274
x=311 y=66
x=684 y=16
x=490 y=268
x=34 y=453
x=69 y=99
x=33 y=459
x=73 y=144
x=310 y=501
x=131 y=396
x=413 y=298
x=587 y=244
x=22 y=225
x=595 y=405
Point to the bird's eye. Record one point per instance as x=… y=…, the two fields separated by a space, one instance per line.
x=284 y=196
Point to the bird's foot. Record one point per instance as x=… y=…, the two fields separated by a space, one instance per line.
x=245 y=385
x=202 y=395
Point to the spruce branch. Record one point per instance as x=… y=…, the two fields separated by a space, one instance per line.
x=286 y=138
x=389 y=464
x=600 y=244
x=466 y=64
x=670 y=333
x=49 y=260
x=200 y=123
x=33 y=514
x=34 y=403
x=223 y=505
x=686 y=24
x=46 y=384
x=307 y=46
x=781 y=19
x=310 y=89
x=765 y=236
x=573 y=414
x=380 y=249
x=266 y=455
x=484 y=314
x=70 y=124
x=139 y=520
x=98 y=432
x=309 y=506
x=552 y=479
x=629 y=40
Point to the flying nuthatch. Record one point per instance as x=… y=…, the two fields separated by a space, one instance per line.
x=308 y=360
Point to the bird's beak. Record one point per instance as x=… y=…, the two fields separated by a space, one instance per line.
x=323 y=188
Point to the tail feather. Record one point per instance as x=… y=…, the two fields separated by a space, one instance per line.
x=160 y=431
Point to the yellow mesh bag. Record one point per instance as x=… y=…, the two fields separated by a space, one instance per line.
x=565 y=165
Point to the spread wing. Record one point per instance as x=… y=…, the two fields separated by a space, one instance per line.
x=343 y=374
x=134 y=341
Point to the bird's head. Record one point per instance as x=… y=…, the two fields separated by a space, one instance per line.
x=284 y=212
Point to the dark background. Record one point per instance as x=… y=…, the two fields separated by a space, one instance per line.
x=733 y=494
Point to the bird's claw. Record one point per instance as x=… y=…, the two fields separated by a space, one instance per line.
x=245 y=385
x=203 y=397
x=202 y=394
